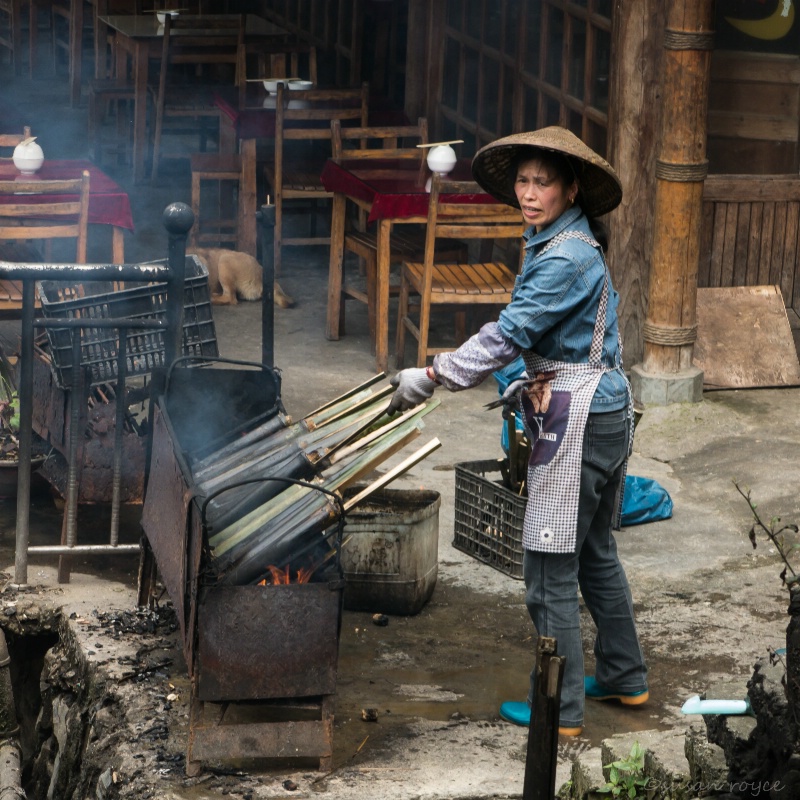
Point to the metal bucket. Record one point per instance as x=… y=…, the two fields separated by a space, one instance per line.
x=390 y=560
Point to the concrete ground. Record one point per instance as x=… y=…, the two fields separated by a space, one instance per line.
x=708 y=605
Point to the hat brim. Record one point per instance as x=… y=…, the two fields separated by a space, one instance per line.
x=600 y=187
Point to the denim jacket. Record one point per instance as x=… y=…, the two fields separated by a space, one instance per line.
x=555 y=301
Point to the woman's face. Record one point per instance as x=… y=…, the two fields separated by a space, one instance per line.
x=543 y=196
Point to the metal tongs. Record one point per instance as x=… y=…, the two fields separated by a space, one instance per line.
x=509 y=403
x=510 y=406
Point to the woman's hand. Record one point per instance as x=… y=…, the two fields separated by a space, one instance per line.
x=413 y=387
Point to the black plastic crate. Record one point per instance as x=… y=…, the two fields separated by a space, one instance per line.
x=131 y=300
x=488 y=516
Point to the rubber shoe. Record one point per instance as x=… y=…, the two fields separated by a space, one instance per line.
x=520 y=714
x=595 y=691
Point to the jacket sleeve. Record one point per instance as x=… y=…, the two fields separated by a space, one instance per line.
x=476 y=359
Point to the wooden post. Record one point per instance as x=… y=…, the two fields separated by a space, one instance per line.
x=633 y=138
x=542 y=756
x=671 y=325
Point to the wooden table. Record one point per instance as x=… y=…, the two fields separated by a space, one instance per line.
x=391 y=191
x=108 y=205
x=138 y=38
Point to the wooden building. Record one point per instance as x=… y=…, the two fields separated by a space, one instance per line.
x=658 y=87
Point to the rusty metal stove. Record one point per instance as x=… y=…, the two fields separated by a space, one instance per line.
x=262 y=659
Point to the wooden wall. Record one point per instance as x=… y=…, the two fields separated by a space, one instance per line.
x=754 y=113
x=751 y=235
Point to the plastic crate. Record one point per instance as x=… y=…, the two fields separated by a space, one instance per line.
x=488 y=517
x=131 y=300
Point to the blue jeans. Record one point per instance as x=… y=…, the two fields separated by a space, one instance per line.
x=552 y=579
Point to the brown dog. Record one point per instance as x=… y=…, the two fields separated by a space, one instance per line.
x=233 y=275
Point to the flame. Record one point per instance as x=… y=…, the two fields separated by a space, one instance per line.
x=283 y=577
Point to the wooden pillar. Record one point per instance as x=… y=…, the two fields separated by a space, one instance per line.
x=634 y=125
x=670 y=328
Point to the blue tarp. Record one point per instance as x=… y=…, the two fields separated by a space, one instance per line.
x=645 y=500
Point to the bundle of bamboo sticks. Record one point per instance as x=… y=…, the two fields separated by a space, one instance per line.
x=272 y=496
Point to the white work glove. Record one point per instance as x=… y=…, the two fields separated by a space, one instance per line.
x=413 y=387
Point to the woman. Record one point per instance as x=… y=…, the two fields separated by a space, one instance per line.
x=577 y=408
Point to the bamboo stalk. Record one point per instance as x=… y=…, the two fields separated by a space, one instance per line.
x=273 y=424
x=269 y=463
x=395 y=472
x=246 y=446
x=365 y=422
x=288 y=523
x=278 y=544
x=208 y=467
x=314 y=443
x=321 y=417
x=385 y=392
x=228 y=537
x=356 y=389
x=418 y=411
x=362 y=464
x=239 y=500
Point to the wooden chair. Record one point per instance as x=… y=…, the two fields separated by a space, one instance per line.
x=13 y=139
x=65 y=215
x=302 y=144
x=221 y=228
x=179 y=99
x=461 y=286
x=407 y=241
x=275 y=61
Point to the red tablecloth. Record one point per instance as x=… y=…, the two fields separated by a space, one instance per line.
x=251 y=122
x=393 y=187
x=108 y=202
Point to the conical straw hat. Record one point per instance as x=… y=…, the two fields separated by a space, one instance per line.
x=600 y=188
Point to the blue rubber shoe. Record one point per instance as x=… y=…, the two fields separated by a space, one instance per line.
x=520 y=714
x=593 y=690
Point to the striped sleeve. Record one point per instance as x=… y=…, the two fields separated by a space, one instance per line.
x=476 y=359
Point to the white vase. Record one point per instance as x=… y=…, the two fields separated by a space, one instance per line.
x=28 y=157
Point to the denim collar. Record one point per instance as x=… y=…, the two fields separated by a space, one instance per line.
x=532 y=238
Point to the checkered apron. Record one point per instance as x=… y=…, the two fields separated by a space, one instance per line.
x=556 y=437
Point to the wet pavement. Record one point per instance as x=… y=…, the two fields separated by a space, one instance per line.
x=707 y=604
